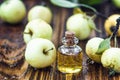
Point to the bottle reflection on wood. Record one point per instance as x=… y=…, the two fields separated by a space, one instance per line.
x=69 y=56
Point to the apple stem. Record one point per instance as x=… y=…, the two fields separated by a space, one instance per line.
x=94 y=10
x=48 y=50
x=26 y=33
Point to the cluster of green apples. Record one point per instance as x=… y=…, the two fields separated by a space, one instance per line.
x=14 y=11
x=109 y=58
x=40 y=51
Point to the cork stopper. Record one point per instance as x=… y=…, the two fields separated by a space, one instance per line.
x=69 y=35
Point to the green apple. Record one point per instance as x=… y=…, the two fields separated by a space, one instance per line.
x=12 y=11
x=40 y=53
x=41 y=12
x=79 y=24
x=92 y=47
x=116 y=3
x=111 y=59
x=37 y=28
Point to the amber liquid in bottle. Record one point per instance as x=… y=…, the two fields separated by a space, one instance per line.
x=69 y=58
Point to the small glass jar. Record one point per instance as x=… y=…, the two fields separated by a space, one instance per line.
x=69 y=56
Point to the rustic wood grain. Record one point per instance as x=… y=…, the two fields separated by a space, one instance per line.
x=22 y=71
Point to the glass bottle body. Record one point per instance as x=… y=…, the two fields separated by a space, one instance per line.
x=69 y=59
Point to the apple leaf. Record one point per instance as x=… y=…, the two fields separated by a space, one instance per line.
x=91 y=23
x=68 y=4
x=64 y=3
x=105 y=44
x=111 y=72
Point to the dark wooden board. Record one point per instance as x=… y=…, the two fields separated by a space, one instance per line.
x=21 y=71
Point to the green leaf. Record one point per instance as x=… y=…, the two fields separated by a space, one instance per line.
x=111 y=72
x=75 y=1
x=92 y=24
x=105 y=44
x=91 y=2
x=68 y=4
x=64 y=3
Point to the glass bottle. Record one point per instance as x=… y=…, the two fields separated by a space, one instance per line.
x=69 y=57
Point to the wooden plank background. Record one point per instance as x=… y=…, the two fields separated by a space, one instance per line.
x=21 y=71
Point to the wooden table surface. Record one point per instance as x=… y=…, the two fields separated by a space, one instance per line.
x=21 y=71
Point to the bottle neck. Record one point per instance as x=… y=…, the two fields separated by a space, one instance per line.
x=70 y=41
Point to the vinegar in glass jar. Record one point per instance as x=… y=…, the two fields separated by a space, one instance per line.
x=69 y=56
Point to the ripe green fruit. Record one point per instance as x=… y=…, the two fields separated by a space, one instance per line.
x=37 y=28
x=40 y=53
x=78 y=23
x=111 y=59
x=116 y=3
x=92 y=47
x=12 y=11
x=40 y=12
